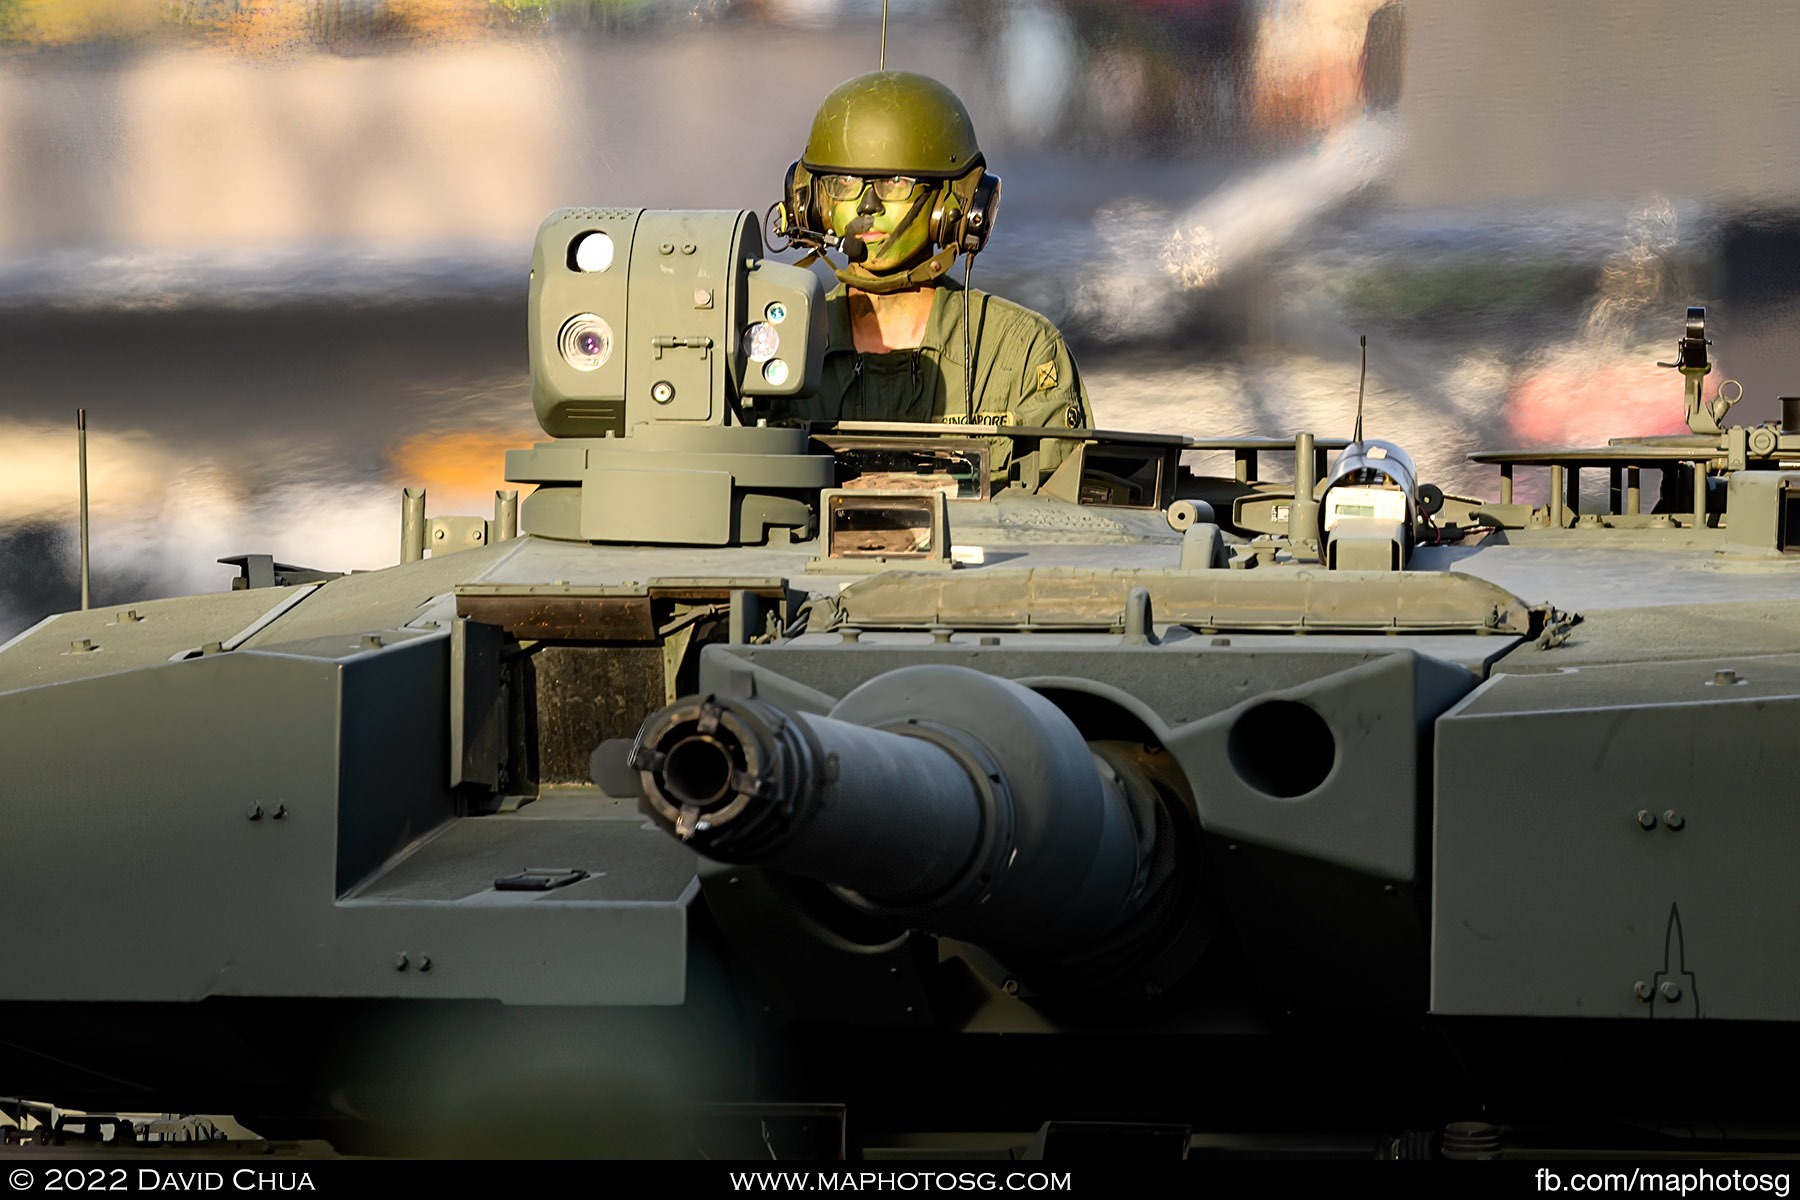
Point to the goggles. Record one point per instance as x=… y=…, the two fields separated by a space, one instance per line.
x=839 y=188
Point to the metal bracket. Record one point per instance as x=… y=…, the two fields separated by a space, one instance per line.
x=539 y=879
x=447 y=535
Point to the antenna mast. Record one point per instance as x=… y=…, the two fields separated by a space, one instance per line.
x=81 y=470
x=882 y=66
x=1361 y=380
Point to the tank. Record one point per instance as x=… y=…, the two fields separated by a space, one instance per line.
x=830 y=792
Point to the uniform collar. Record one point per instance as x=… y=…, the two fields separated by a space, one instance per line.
x=943 y=328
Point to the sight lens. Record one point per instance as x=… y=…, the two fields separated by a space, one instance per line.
x=585 y=342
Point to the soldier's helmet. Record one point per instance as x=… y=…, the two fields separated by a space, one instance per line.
x=892 y=123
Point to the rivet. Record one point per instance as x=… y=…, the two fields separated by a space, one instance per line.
x=689 y=248
x=400 y=962
x=424 y=962
x=254 y=812
x=280 y=812
x=1669 y=990
x=1674 y=820
x=1642 y=988
x=666 y=248
x=1646 y=819
x=703 y=298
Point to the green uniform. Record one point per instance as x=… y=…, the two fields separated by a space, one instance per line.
x=1023 y=372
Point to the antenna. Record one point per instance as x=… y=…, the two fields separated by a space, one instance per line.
x=883 y=64
x=1361 y=381
x=81 y=470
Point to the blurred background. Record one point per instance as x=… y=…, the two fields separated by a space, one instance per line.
x=278 y=248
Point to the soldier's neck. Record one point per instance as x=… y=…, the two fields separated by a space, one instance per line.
x=895 y=321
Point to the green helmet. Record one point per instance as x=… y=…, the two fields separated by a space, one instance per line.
x=892 y=123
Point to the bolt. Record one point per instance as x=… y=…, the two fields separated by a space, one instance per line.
x=371 y=641
x=688 y=248
x=1646 y=819
x=129 y=617
x=702 y=298
x=1674 y=820
x=850 y=633
x=1010 y=986
x=1642 y=988
x=941 y=635
x=666 y=248
x=1669 y=990
x=280 y=811
x=1389 y=889
x=254 y=812
x=424 y=962
x=438 y=534
x=400 y=962
x=1725 y=678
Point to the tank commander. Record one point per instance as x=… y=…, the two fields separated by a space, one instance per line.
x=893 y=178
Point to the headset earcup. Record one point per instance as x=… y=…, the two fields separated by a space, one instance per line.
x=796 y=198
x=984 y=211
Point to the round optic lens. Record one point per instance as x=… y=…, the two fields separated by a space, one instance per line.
x=761 y=342
x=775 y=372
x=586 y=342
x=592 y=252
x=776 y=313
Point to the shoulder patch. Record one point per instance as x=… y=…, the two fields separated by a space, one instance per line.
x=1046 y=375
x=1073 y=418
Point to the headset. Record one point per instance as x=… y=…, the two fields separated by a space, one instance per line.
x=961 y=222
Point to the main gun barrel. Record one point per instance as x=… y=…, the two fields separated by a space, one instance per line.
x=934 y=796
